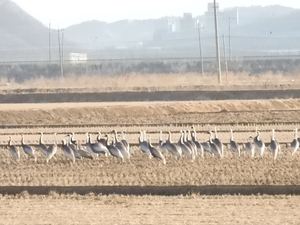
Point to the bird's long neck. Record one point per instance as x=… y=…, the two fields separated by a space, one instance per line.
x=150 y=144
x=144 y=136
x=116 y=137
x=141 y=136
x=296 y=133
x=41 y=139
x=184 y=136
x=55 y=141
x=210 y=137
x=181 y=137
x=231 y=135
x=216 y=134
x=9 y=142
x=107 y=140
x=160 y=135
x=87 y=138
x=170 y=138
x=22 y=141
x=195 y=133
x=123 y=135
x=273 y=135
x=72 y=138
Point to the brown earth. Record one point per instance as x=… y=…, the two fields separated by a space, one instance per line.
x=151 y=112
x=116 y=209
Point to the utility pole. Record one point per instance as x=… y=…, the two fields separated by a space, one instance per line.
x=49 y=43
x=229 y=37
x=200 y=45
x=217 y=44
x=225 y=57
x=60 y=54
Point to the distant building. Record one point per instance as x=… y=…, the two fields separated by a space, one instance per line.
x=78 y=57
x=223 y=16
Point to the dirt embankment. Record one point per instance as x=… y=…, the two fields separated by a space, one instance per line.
x=156 y=112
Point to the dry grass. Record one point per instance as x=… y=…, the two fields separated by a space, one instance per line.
x=157 y=81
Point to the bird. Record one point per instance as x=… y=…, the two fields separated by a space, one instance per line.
x=295 y=142
x=185 y=148
x=68 y=152
x=258 y=143
x=125 y=143
x=52 y=149
x=217 y=141
x=155 y=153
x=206 y=144
x=199 y=146
x=121 y=146
x=101 y=140
x=233 y=145
x=192 y=144
x=89 y=146
x=172 y=147
x=42 y=147
x=249 y=147
x=274 y=145
x=113 y=150
x=83 y=154
x=97 y=147
x=27 y=149
x=144 y=146
x=162 y=144
x=214 y=148
x=72 y=138
x=72 y=144
x=13 y=149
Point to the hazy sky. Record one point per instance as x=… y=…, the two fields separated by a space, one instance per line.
x=69 y=12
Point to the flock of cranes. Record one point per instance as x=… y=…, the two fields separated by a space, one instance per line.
x=188 y=146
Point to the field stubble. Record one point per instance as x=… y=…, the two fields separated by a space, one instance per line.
x=116 y=209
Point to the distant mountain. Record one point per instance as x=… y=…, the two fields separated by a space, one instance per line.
x=22 y=37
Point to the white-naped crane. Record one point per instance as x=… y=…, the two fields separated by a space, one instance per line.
x=52 y=149
x=42 y=147
x=119 y=144
x=192 y=144
x=218 y=142
x=206 y=144
x=83 y=154
x=185 y=149
x=27 y=149
x=68 y=152
x=214 y=148
x=249 y=147
x=172 y=147
x=295 y=143
x=113 y=150
x=274 y=145
x=14 y=151
x=234 y=146
x=144 y=145
x=125 y=143
x=199 y=146
x=89 y=147
x=97 y=147
x=258 y=143
x=161 y=143
x=72 y=144
x=155 y=152
x=188 y=144
x=101 y=139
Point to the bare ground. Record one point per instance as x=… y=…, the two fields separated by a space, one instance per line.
x=116 y=209
x=152 y=112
